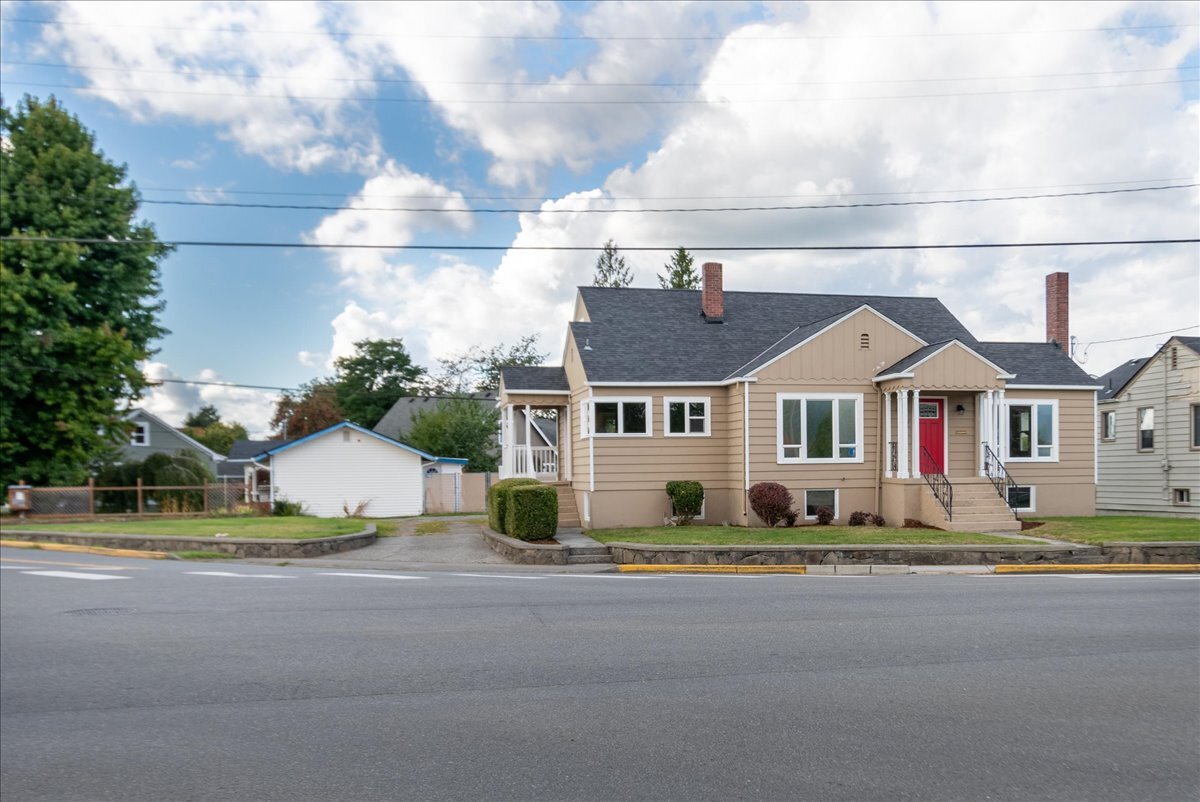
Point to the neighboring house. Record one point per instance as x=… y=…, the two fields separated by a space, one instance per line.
x=1149 y=432
x=398 y=420
x=153 y=435
x=346 y=465
x=852 y=402
x=241 y=466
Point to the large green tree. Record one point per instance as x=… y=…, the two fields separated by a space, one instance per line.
x=611 y=270
x=218 y=436
x=76 y=319
x=458 y=427
x=370 y=381
x=680 y=274
x=478 y=369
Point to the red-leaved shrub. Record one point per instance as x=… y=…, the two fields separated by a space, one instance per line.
x=770 y=501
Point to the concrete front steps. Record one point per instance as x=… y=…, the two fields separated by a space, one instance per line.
x=581 y=549
x=977 y=507
x=568 y=513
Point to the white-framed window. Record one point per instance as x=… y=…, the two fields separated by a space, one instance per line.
x=819 y=427
x=1195 y=413
x=687 y=417
x=815 y=499
x=1033 y=431
x=140 y=435
x=1023 y=498
x=1145 y=417
x=621 y=417
x=1182 y=495
x=1108 y=425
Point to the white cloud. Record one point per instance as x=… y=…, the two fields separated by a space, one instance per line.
x=735 y=148
x=172 y=402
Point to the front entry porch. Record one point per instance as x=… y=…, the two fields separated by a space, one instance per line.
x=535 y=441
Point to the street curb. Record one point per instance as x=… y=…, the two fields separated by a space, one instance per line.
x=31 y=544
x=1102 y=568
x=712 y=569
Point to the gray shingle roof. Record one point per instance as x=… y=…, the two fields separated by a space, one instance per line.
x=644 y=335
x=1115 y=380
x=521 y=377
x=1036 y=363
x=912 y=359
x=1191 y=342
x=398 y=420
x=240 y=453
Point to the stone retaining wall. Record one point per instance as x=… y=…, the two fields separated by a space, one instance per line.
x=523 y=552
x=1157 y=552
x=234 y=546
x=642 y=554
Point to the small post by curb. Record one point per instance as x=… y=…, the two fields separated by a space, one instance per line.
x=91 y=495
x=139 y=495
x=205 y=491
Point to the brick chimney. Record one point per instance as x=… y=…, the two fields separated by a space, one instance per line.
x=1058 y=306
x=712 y=295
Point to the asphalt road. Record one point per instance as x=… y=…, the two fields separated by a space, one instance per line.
x=178 y=680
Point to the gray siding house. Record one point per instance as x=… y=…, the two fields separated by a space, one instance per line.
x=153 y=435
x=1149 y=434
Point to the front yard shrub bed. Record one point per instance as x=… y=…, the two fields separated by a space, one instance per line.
x=1116 y=528
x=286 y=528
x=804 y=535
x=532 y=512
x=498 y=502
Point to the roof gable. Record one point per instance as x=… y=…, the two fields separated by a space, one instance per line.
x=935 y=352
x=1118 y=379
x=362 y=430
x=191 y=442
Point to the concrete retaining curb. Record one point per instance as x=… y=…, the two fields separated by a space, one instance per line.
x=234 y=546
x=854 y=554
x=523 y=552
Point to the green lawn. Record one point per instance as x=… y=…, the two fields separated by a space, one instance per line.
x=801 y=535
x=285 y=527
x=1104 y=528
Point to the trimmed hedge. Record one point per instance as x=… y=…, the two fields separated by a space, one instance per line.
x=498 y=501
x=771 y=502
x=531 y=512
x=688 y=499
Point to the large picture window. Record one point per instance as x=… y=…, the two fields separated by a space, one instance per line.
x=1033 y=430
x=819 y=427
x=686 y=417
x=620 y=417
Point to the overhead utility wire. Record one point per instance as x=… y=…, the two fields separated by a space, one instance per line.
x=581 y=84
x=579 y=102
x=444 y=210
x=220 y=384
x=593 y=248
x=597 y=37
x=1144 y=336
x=653 y=197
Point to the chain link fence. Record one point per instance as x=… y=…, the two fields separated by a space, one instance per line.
x=215 y=498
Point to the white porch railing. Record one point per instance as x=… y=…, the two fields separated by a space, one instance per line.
x=544 y=461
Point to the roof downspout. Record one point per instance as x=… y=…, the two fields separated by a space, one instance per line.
x=884 y=447
x=746 y=449
x=591 y=444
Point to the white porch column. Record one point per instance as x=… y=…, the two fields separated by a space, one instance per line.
x=529 y=443
x=916 y=433
x=980 y=428
x=887 y=435
x=902 y=434
x=564 y=444
x=1001 y=423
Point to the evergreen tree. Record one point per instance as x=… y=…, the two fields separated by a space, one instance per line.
x=680 y=275
x=374 y=378
x=202 y=418
x=611 y=270
x=76 y=319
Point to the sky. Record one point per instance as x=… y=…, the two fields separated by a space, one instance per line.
x=407 y=122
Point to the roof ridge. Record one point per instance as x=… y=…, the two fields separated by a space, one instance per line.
x=774 y=292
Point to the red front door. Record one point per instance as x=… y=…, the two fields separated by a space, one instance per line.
x=933 y=435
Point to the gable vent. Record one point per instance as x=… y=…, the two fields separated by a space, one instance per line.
x=1174 y=358
x=864 y=340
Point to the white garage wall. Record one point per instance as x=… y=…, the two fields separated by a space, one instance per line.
x=344 y=467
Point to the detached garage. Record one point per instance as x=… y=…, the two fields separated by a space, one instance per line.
x=335 y=470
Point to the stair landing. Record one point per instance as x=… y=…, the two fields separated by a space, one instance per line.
x=977 y=507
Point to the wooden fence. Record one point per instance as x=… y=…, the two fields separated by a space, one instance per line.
x=139 y=499
x=451 y=492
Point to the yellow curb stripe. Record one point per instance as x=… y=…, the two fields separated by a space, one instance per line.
x=135 y=553
x=1102 y=568
x=712 y=569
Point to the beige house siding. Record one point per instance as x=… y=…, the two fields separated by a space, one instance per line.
x=1065 y=487
x=954 y=369
x=1133 y=481
x=837 y=355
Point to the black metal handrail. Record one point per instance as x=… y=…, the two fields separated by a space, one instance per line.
x=994 y=469
x=893 y=457
x=943 y=491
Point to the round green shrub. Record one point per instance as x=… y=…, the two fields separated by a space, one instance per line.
x=531 y=512
x=687 y=497
x=498 y=501
x=771 y=502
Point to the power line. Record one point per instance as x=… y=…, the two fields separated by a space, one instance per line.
x=578 y=84
x=581 y=102
x=593 y=248
x=598 y=37
x=153 y=382
x=543 y=198
x=443 y=210
x=1143 y=336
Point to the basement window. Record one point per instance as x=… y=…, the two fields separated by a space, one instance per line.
x=1021 y=498
x=1183 y=495
x=816 y=499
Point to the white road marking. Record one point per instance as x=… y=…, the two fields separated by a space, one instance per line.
x=370 y=576
x=499 y=576
x=72 y=575
x=241 y=576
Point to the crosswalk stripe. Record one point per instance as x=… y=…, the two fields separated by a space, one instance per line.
x=370 y=576
x=72 y=575
x=18 y=562
x=241 y=576
x=499 y=576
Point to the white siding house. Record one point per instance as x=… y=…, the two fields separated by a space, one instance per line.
x=334 y=471
x=1148 y=428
